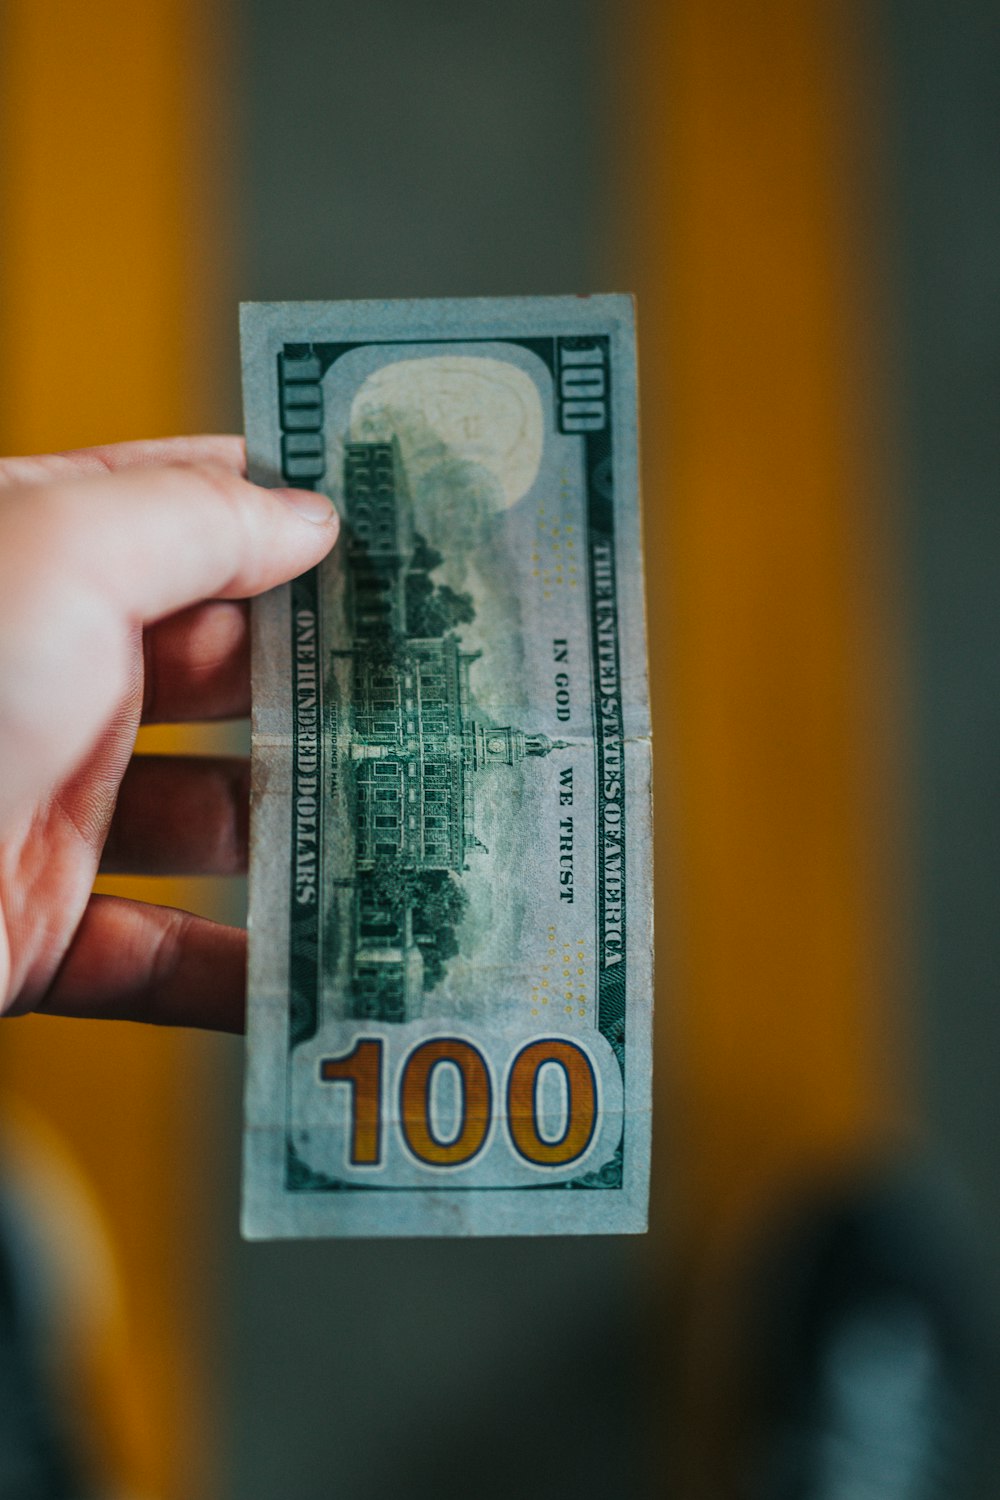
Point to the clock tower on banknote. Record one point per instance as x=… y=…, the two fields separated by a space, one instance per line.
x=418 y=741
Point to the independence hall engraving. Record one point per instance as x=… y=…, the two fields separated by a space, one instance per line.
x=417 y=747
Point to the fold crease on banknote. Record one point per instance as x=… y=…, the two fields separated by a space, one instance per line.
x=450 y=976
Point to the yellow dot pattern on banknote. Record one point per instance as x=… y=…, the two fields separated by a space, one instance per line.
x=562 y=977
x=554 y=553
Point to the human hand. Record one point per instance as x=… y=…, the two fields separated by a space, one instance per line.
x=121 y=575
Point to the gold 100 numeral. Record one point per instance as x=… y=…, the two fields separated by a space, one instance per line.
x=361 y=1069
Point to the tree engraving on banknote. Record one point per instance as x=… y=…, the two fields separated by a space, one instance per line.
x=450 y=967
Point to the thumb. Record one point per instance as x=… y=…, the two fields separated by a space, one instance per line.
x=156 y=540
x=85 y=562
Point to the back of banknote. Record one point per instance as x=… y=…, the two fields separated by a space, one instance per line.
x=450 y=882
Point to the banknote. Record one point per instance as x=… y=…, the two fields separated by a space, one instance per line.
x=450 y=973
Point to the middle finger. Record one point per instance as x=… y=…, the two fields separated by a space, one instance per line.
x=180 y=815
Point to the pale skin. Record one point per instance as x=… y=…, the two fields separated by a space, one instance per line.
x=124 y=573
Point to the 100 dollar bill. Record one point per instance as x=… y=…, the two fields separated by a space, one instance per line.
x=450 y=881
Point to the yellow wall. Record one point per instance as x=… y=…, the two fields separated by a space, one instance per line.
x=108 y=254
x=775 y=646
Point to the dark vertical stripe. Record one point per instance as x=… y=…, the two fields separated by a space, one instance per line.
x=943 y=76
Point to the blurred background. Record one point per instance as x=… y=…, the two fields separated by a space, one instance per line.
x=805 y=197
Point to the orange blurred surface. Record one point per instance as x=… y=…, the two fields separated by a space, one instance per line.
x=774 y=642
x=106 y=254
x=776 y=650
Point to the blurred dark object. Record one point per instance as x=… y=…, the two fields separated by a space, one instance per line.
x=871 y=1348
x=35 y=1462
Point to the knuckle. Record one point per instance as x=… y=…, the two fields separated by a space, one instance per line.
x=232 y=492
x=239 y=504
x=165 y=959
x=53 y=512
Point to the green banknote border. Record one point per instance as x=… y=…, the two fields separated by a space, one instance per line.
x=303 y=466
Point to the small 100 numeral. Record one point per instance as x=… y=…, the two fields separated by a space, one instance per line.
x=583 y=388
x=362 y=1070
